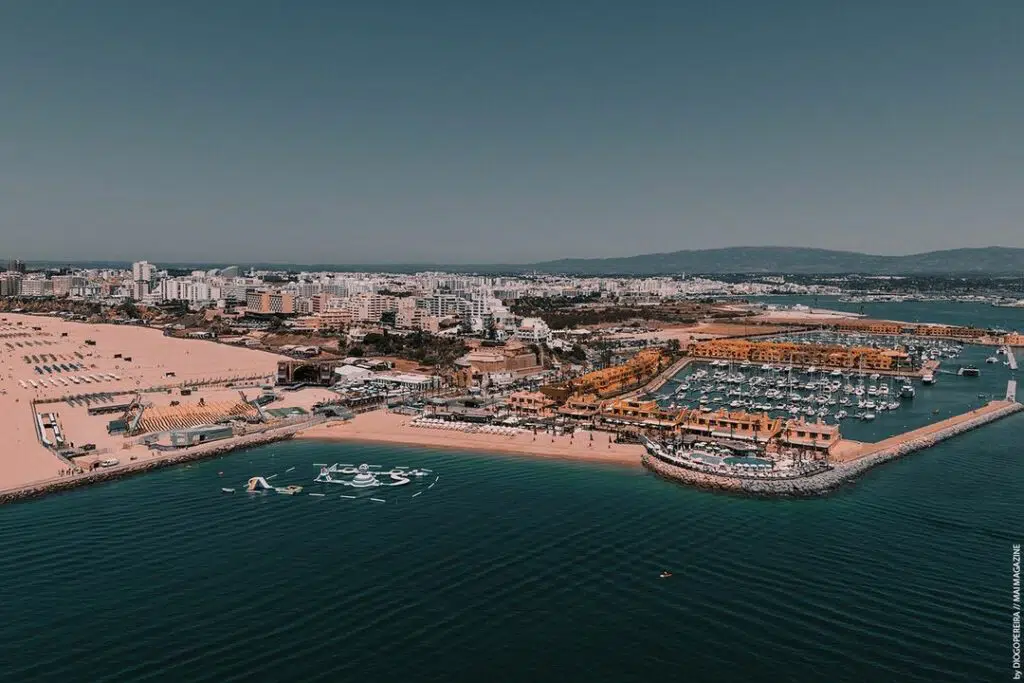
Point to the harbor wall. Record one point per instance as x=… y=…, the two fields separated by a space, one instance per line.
x=39 y=489
x=659 y=381
x=839 y=474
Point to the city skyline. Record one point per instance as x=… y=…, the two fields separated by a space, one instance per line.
x=458 y=134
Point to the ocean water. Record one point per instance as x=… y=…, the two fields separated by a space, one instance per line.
x=943 y=312
x=524 y=569
x=518 y=569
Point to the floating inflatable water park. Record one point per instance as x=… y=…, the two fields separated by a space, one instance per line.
x=364 y=476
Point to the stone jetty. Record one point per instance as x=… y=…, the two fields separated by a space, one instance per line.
x=823 y=482
x=170 y=459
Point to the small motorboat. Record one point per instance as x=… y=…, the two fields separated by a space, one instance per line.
x=665 y=575
x=227 y=490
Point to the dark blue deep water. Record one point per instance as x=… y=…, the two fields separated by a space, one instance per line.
x=516 y=569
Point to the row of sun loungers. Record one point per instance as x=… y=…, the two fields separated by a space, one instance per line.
x=468 y=427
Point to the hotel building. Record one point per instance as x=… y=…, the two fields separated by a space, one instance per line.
x=269 y=302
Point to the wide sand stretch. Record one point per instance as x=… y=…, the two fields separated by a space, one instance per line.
x=155 y=360
x=383 y=427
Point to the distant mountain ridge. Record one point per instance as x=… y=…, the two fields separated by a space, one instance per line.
x=800 y=260
x=780 y=260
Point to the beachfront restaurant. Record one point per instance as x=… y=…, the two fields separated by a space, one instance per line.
x=581 y=407
x=755 y=427
x=647 y=414
x=531 y=403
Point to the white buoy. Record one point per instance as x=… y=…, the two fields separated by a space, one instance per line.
x=318 y=495
x=378 y=500
x=346 y=496
x=416 y=494
x=289 y=470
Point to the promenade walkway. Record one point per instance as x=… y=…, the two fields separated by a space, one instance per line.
x=930 y=430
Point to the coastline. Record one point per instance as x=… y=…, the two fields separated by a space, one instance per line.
x=212 y=450
x=389 y=428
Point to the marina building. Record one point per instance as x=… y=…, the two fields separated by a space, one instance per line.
x=821 y=355
x=756 y=427
x=646 y=414
x=950 y=331
x=619 y=378
x=816 y=436
x=871 y=327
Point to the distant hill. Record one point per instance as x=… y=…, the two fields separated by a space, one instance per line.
x=783 y=260
x=985 y=260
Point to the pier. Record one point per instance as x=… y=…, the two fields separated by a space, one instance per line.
x=1011 y=390
x=1010 y=358
x=159 y=461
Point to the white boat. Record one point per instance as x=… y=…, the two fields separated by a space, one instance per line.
x=868 y=417
x=928 y=378
x=227 y=490
x=110 y=462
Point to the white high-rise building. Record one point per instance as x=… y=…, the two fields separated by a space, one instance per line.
x=142 y=278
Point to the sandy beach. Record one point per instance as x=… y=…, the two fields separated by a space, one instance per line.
x=118 y=360
x=383 y=427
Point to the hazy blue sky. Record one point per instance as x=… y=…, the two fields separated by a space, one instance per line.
x=445 y=131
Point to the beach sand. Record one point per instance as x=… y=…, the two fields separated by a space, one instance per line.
x=384 y=427
x=24 y=460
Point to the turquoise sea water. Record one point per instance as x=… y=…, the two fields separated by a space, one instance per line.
x=519 y=569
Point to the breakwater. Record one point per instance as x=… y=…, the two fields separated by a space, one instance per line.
x=170 y=459
x=823 y=482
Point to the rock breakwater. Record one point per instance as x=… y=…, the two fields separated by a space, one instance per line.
x=170 y=459
x=823 y=482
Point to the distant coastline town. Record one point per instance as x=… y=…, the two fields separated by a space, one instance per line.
x=702 y=379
